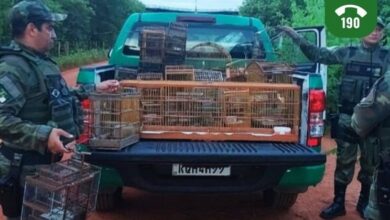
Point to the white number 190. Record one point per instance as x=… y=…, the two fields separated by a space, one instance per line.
x=351 y=22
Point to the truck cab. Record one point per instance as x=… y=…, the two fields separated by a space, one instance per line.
x=281 y=170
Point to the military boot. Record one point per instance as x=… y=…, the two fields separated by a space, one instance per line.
x=337 y=208
x=363 y=199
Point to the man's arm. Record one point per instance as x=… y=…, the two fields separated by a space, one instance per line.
x=83 y=91
x=22 y=134
x=334 y=55
x=374 y=108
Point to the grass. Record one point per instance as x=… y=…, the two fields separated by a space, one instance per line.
x=80 y=58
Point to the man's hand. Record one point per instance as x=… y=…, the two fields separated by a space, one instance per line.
x=108 y=86
x=55 y=145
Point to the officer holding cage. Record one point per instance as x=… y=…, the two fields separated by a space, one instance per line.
x=37 y=109
x=363 y=65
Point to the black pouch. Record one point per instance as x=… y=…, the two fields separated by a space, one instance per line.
x=11 y=194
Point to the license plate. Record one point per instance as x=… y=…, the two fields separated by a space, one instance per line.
x=192 y=170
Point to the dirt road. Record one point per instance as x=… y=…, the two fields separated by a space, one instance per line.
x=147 y=206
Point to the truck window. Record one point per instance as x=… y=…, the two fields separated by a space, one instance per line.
x=239 y=41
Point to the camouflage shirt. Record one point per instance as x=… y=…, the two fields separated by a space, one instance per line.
x=24 y=109
x=374 y=109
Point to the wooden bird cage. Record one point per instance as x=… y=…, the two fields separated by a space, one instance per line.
x=114 y=119
x=266 y=72
x=218 y=110
x=180 y=73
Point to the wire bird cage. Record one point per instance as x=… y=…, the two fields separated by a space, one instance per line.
x=152 y=43
x=266 y=72
x=122 y=73
x=114 y=119
x=208 y=75
x=150 y=76
x=64 y=190
x=218 y=110
x=180 y=73
x=152 y=46
x=175 y=45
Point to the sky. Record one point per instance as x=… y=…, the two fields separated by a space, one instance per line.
x=208 y=5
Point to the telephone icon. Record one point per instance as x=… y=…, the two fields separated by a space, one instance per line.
x=360 y=11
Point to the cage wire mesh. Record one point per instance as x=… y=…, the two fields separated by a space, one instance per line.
x=218 y=110
x=179 y=73
x=150 y=76
x=208 y=75
x=267 y=72
x=115 y=119
x=63 y=190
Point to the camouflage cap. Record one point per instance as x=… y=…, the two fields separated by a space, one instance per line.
x=32 y=10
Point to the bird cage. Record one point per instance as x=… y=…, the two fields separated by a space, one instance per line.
x=122 y=73
x=208 y=75
x=236 y=108
x=63 y=190
x=114 y=119
x=150 y=76
x=220 y=110
x=261 y=71
x=175 y=45
x=152 y=43
x=181 y=73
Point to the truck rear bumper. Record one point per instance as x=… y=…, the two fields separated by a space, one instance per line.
x=254 y=166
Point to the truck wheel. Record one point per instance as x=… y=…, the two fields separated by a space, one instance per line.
x=108 y=198
x=279 y=200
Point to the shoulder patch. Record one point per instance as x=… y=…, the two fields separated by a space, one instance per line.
x=8 y=89
x=4 y=95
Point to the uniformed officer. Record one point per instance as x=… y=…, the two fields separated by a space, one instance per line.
x=37 y=109
x=363 y=65
x=371 y=118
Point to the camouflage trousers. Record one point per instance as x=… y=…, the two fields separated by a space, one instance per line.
x=372 y=211
x=347 y=154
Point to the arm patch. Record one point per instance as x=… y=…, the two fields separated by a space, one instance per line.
x=8 y=89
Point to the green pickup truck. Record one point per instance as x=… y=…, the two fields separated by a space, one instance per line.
x=280 y=170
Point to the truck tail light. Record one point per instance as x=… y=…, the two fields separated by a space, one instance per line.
x=84 y=137
x=316 y=117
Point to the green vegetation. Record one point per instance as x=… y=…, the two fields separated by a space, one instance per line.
x=88 y=32
x=80 y=58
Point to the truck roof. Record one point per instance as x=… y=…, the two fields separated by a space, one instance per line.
x=220 y=19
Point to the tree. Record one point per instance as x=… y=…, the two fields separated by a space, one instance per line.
x=271 y=12
x=5 y=34
x=109 y=17
x=75 y=27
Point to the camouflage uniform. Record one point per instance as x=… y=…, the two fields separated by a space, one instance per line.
x=372 y=118
x=34 y=97
x=347 y=151
x=352 y=89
